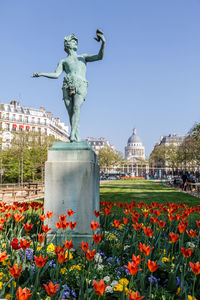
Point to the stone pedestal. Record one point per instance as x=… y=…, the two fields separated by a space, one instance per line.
x=72 y=182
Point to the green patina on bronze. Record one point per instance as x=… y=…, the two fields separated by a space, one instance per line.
x=70 y=146
x=75 y=83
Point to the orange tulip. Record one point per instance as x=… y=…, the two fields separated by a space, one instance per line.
x=28 y=226
x=136 y=259
x=116 y=223
x=41 y=238
x=152 y=265
x=23 y=294
x=3 y=256
x=18 y=217
x=96 y=213
x=84 y=246
x=61 y=257
x=135 y=296
x=90 y=254
x=170 y=217
x=64 y=225
x=107 y=211
x=153 y=220
x=135 y=218
x=72 y=225
x=7 y=215
x=42 y=218
x=45 y=228
x=198 y=223
x=132 y=268
x=161 y=224
x=147 y=231
x=62 y=217
x=68 y=244
x=145 y=214
x=99 y=287
x=58 y=250
x=187 y=252
x=137 y=226
x=173 y=237
x=24 y=244
x=14 y=271
x=49 y=214
x=2 y=220
x=125 y=220
x=146 y=250
x=70 y=212
x=51 y=289
x=192 y=233
x=97 y=238
x=94 y=225
x=40 y=261
x=157 y=212
x=195 y=267
x=182 y=227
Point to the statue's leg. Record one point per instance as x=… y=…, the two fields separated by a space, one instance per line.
x=68 y=104
x=78 y=101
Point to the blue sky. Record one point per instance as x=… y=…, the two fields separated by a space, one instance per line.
x=149 y=77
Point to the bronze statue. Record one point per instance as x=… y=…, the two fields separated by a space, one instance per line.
x=75 y=83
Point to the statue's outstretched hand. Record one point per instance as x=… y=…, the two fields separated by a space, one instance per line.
x=36 y=74
x=99 y=36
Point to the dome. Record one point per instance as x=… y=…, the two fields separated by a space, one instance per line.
x=134 y=138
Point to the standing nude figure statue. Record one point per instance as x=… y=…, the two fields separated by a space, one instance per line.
x=75 y=83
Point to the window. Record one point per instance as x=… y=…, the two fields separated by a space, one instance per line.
x=45 y=121
x=7 y=126
x=38 y=120
x=33 y=120
x=0 y=115
x=26 y=119
x=14 y=117
x=20 y=118
x=7 y=116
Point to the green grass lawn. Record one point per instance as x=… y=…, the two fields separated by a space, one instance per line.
x=145 y=191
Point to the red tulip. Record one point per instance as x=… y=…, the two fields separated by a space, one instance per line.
x=51 y=289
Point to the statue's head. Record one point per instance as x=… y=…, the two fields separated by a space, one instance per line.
x=70 y=42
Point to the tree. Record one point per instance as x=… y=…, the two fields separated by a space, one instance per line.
x=109 y=158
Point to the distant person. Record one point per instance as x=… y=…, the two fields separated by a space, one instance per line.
x=184 y=179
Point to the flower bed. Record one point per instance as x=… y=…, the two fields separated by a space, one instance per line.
x=142 y=251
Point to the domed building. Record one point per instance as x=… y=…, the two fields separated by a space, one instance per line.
x=135 y=154
x=134 y=150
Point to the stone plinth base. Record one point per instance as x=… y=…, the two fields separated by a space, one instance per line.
x=72 y=182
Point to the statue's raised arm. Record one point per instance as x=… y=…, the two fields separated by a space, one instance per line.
x=94 y=57
x=54 y=75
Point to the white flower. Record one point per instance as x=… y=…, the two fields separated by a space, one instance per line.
x=127 y=246
x=190 y=245
x=115 y=282
x=98 y=258
x=106 y=278
x=100 y=267
x=109 y=289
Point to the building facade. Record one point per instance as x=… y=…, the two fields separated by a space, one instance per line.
x=14 y=117
x=135 y=156
x=98 y=143
x=176 y=139
x=160 y=162
x=134 y=150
